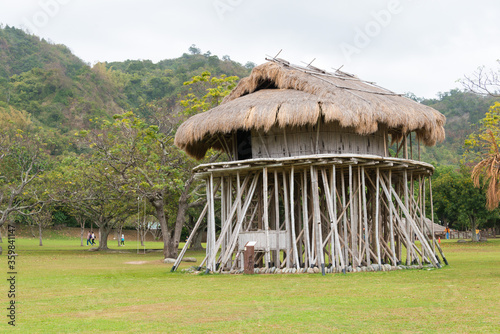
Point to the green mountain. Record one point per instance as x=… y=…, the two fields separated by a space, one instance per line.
x=463 y=111
x=62 y=93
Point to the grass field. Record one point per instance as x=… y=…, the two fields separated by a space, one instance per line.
x=62 y=288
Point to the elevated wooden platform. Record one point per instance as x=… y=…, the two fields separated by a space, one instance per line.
x=325 y=210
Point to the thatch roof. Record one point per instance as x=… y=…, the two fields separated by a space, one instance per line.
x=278 y=93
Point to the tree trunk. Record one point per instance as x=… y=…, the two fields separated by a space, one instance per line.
x=40 y=233
x=196 y=242
x=473 y=228
x=82 y=231
x=103 y=237
x=160 y=214
x=32 y=231
x=119 y=237
x=142 y=234
x=181 y=216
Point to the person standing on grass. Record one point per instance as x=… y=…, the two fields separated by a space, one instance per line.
x=89 y=236
x=123 y=240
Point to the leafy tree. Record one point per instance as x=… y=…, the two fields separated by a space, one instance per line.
x=483 y=145
x=22 y=160
x=457 y=202
x=140 y=162
x=194 y=50
x=42 y=219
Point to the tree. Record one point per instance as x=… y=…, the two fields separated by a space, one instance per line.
x=81 y=183
x=42 y=219
x=457 y=202
x=22 y=160
x=194 y=50
x=139 y=162
x=482 y=145
x=487 y=171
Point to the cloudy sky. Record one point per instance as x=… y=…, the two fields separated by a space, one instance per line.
x=418 y=46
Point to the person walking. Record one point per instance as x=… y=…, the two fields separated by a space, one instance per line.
x=89 y=236
x=93 y=238
x=123 y=240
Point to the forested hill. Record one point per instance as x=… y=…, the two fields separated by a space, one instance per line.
x=463 y=111
x=62 y=93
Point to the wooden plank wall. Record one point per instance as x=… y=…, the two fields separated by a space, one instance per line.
x=315 y=139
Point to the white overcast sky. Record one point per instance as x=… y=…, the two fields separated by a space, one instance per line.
x=418 y=46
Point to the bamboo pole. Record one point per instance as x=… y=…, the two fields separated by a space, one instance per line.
x=305 y=214
x=226 y=224
x=333 y=198
x=408 y=227
x=236 y=232
x=317 y=217
x=287 y=221
x=191 y=236
x=335 y=243
x=365 y=216
x=344 y=220
x=409 y=220
x=277 y=218
x=391 y=223
x=210 y=223
x=292 y=218
x=377 y=214
x=266 y=216
x=352 y=222
x=329 y=204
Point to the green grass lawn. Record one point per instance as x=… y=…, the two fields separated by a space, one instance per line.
x=61 y=287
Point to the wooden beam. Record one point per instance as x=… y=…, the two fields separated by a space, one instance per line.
x=377 y=214
x=266 y=216
x=277 y=219
x=236 y=231
x=317 y=217
x=292 y=219
x=225 y=225
x=287 y=220
x=365 y=216
x=191 y=236
x=308 y=257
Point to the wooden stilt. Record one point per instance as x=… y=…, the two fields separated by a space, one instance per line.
x=308 y=258
x=226 y=225
x=292 y=219
x=377 y=206
x=236 y=232
x=191 y=236
x=365 y=217
x=408 y=226
x=344 y=220
x=266 y=216
x=391 y=223
x=287 y=221
x=317 y=217
x=277 y=218
x=334 y=236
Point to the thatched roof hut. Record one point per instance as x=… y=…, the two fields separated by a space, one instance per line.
x=278 y=95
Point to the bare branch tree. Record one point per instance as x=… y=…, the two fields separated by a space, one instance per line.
x=483 y=81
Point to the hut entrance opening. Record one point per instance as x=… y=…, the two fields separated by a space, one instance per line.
x=244 y=145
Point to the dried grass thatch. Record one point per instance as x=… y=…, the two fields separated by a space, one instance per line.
x=277 y=93
x=489 y=168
